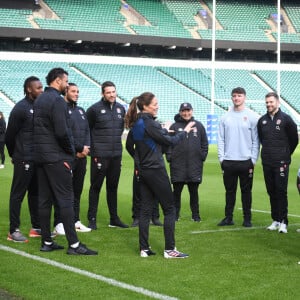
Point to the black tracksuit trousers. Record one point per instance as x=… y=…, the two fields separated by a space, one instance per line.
x=232 y=172
x=24 y=180
x=55 y=186
x=101 y=168
x=276 y=180
x=155 y=184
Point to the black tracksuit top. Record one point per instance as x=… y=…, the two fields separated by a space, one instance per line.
x=186 y=158
x=19 y=133
x=106 y=123
x=53 y=140
x=278 y=137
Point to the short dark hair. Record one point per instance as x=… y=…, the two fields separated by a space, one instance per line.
x=54 y=73
x=28 y=81
x=106 y=84
x=238 y=90
x=272 y=94
x=71 y=84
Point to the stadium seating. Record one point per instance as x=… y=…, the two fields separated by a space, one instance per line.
x=171 y=85
x=15 y=18
x=94 y=16
x=289 y=80
x=184 y=10
x=163 y=22
x=293 y=10
x=240 y=21
x=5 y=108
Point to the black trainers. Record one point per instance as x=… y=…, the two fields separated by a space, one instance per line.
x=196 y=219
x=135 y=223
x=81 y=250
x=117 y=223
x=226 y=222
x=156 y=222
x=247 y=223
x=146 y=253
x=92 y=224
x=52 y=247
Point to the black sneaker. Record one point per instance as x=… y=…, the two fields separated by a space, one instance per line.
x=81 y=250
x=146 y=253
x=156 y=222
x=226 y=222
x=135 y=223
x=247 y=223
x=92 y=224
x=117 y=223
x=52 y=247
x=196 y=219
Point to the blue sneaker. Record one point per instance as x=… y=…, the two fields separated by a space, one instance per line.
x=174 y=254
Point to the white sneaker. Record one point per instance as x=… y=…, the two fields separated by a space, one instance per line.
x=59 y=229
x=282 y=228
x=298 y=230
x=274 y=226
x=81 y=228
x=1 y=166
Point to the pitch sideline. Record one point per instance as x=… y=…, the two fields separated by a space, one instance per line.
x=107 y=280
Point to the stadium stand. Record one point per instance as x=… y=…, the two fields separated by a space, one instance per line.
x=15 y=18
x=94 y=16
x=168 y=18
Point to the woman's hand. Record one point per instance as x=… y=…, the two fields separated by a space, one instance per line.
x=189 y=127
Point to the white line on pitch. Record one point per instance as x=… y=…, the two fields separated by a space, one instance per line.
x=227 y=229
x=235 y=229
x=107 y=280
x=269 y=212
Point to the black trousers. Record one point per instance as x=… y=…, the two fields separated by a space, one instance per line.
x=101 y=168
x=276 y=180
x=232 y=172
x=136 y=199
x=155 y=184
x=24 y=180
x=194 y=197
x=55 y=186
x=2 y=153
x=79 y=170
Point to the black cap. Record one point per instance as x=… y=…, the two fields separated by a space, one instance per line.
x=185 y=106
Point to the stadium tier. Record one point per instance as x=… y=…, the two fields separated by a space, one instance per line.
x=171 y=85
x=237 y=20
x=15 y=18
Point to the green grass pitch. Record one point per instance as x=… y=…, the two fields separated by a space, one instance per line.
x=224 y=263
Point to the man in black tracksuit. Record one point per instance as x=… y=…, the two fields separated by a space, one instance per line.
x=106 y=121
x=19 y=143
x=54 y=153
x=186 y=159
x=279 y=138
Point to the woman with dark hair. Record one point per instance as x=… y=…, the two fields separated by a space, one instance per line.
x=2 y=139
x=147 y=137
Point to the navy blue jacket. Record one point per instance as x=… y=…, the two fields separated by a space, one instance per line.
x=53 y=140
x=145 y=141
x=19 y=133
x=79 y=125
x=2 y=130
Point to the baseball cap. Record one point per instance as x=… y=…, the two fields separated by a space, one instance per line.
x=185 y=106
